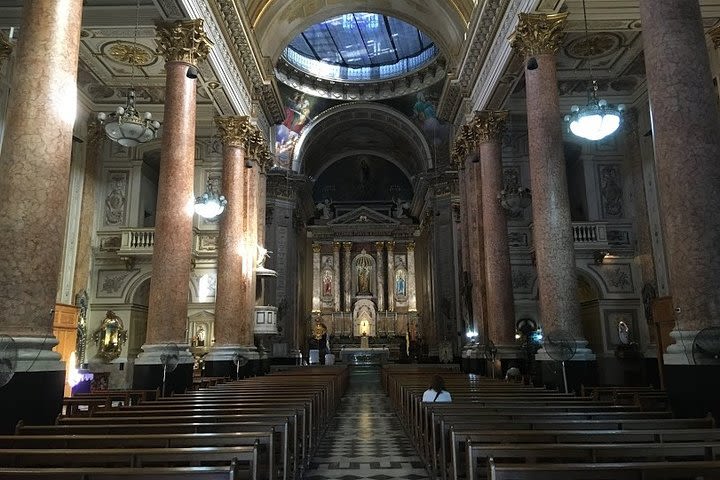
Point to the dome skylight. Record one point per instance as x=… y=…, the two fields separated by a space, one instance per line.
x=360 y=47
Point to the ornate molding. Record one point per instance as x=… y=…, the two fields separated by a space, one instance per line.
x=238 y=35
x=234 y=130
x=539 y=33
x=488 y=126
x=6 y=49
x=462 y=147
x=183 y=41
x=482 y=35
x=713 y=32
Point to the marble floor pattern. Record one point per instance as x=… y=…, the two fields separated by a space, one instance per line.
x=365 y=439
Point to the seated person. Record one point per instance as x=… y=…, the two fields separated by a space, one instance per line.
x=437 y=392
x=513 y=375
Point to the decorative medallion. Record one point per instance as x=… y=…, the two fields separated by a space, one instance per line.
x=128 y=53
x=594 y=46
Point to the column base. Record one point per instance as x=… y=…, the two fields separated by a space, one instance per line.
x=681 y=352
x=35 y=392
x=582 y=353
x=219 y=361
x=148 y=372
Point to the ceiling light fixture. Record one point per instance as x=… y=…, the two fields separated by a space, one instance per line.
x=597 y=119
x=126 y=125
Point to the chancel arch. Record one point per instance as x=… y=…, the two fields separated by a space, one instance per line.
x=361 y=126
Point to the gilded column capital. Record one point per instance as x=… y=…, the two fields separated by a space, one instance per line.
x=347 y=246
x=6 y=49
x=411 y=247
x=538 y=33
x=714 y=35
x=182 y=41
x=462 y=147
x=390 y=246
x=379 y=246
x=234 y=130
x=336 y=246
x=488 y=126
x=316 y=247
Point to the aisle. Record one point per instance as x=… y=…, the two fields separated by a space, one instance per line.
x=365 y=440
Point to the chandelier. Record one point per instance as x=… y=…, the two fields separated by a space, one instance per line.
x=126 y=125
x=210 y=204
x=597 y=119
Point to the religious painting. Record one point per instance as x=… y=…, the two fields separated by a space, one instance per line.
x=421 y=108
x=326 y=276
x=400 y=283
x=611 y=190
x=299 y=109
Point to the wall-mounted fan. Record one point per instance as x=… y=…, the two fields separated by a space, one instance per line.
x=490 y=353
x=560 y=345
x=239 y=360
x=169 y=358
x=706 y=346
x=8 y=359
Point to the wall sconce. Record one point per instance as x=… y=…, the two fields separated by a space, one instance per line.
x=599 y=256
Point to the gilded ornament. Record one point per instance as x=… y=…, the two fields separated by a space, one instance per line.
x=129 y=54
x=538 y=33
x=182 y=41
x=715 y=35
x=6 y=49
x=316 y=248
x=489 y=126
x=234 y=130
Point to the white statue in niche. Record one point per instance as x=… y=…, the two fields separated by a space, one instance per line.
x=623 y=333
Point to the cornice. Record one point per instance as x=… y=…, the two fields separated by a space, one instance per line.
x=262 y=83
x=482 y=34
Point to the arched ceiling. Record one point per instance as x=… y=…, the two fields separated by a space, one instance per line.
x=361 y=128
x=277 y=22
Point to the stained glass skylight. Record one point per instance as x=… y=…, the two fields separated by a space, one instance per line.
x=360 y=47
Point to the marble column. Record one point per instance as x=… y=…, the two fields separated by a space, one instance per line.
x=380 y=276
x=687 y=149
x=6 y=49
x=316 y=278
x=540 y=36
x=391 y=276
x=499 y=290
x=336 y=277
x=347 y=275
x=412 y=293
x=459 y=154
x=35 y=165
x=183 y=44
x=476 y=247
x=233 y=313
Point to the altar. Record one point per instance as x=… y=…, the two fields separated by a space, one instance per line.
x=365 y=356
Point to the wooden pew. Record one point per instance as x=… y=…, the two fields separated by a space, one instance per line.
x=709 y=470
x=591 y=453
x=461 y=437
x=104 y=473
x=265 y=441
x=135 y=458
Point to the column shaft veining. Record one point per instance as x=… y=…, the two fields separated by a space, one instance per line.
x=500 y=306
x=336 y=277
x=475 y=240
x=540 y=36
x=391 y=276
x=380 y=276
x=347 y=272
x=686 y=136
x=232 y=324
x=182 y=44
x=35 y=164
x=316 y=278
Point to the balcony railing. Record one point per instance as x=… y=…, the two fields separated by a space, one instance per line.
x=137 y=241
x=590 y=233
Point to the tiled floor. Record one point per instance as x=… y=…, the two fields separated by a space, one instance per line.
x=365 y=440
